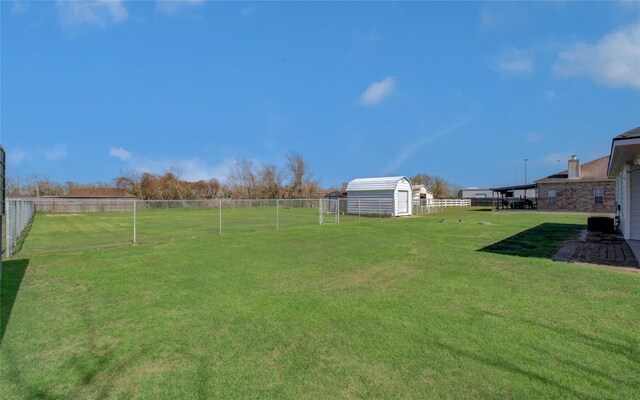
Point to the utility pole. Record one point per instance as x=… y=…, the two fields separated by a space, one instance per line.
x=525 y=177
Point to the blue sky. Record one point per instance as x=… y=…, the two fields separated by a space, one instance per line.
x=461 y=90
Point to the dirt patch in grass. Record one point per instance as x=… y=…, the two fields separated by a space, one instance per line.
x=61 y=215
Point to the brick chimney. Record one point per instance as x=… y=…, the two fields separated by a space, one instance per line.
x=574 y=168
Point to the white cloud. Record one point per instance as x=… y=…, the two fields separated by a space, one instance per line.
x=377 y=91
x=514 y=62
x=191 y=169
x=613 y=61
x=172 y=6
x=16 y=157
x=98 y=12
x=120 y=153
x=57 y=152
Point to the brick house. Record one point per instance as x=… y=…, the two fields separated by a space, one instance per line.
x=582 y=188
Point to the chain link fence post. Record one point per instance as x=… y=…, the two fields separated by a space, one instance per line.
x=9 y=221
x=134 y=223
x=277 y=214
x=220 y=217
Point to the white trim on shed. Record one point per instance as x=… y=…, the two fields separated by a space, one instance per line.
x=385 y=195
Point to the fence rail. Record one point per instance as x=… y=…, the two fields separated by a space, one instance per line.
x=451 y=202
x=19 y=214
x=63 y=225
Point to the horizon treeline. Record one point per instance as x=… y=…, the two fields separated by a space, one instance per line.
x=245 y=180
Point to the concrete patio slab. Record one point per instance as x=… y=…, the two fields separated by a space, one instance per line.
x=601 y=249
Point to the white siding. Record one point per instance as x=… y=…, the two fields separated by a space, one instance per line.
x=370 y=202
x=378 y=196
x=620 y=196
x=634 y=206
x=403 y=185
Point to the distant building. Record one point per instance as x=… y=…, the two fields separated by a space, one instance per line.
x=335 y=194
x=421 y=195
x=98 y=193
x=475 y=193
x=584 y=188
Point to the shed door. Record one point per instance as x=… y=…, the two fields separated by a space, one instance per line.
x=403 y=201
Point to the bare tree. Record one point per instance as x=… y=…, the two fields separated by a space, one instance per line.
x=131 y=182
x=270 y=182
x=440 y=187
x=299 y=173
x=242 y=179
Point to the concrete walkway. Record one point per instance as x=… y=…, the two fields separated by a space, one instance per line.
x=601 y=249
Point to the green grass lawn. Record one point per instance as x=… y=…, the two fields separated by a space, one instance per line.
x=60 y=232
x=380 y=308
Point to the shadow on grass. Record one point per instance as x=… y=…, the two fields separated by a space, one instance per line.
x=489 y=209
x=541 y=241
x=12 y=274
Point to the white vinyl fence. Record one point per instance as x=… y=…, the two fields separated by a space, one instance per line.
x=19 y=214
x=63 y=225
x=451 y=202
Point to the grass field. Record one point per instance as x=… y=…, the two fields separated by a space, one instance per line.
x=59 y=232
x=390 y=308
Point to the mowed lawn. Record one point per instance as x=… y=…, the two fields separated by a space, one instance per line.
x=380 y=308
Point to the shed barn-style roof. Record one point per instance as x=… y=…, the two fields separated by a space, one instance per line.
x=94 y=192
x=419 y=187
x=593 y=170
x=381 y=183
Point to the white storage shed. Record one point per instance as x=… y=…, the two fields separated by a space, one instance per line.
x=381 y=196
x=421 y=196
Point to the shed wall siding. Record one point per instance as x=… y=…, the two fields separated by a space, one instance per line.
x=370 y=202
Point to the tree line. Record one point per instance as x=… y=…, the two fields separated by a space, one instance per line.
x=245 y=180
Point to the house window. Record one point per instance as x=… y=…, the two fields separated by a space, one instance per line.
x=598 y=195
x=551 y=195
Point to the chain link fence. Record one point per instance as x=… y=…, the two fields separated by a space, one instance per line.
x=18 y=217
x=70 y=225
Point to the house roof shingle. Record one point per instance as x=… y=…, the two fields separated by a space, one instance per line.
x=593 y=170
x=633 y=133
